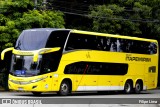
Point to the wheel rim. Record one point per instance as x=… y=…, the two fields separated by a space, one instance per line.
x=64 y=88
x=127 y=87
x=138 y=87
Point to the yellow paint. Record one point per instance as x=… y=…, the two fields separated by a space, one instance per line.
x=4 y=51
x=136 y=70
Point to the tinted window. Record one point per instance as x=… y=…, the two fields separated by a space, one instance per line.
x=50 y=61
x=32 y=39
x=82 y=41
x=79 y=41
x=96 y=68
x=57 y=39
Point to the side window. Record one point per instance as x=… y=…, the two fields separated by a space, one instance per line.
x=76 y=68
x=143 y=47
x=81 y=41
x=57 y=39
x=103 y=43
x=93 y=68
x=113 y=47
x=100 y=43
x=113 y=68
x=74 y=42
x=50 y=62
x=152 y=48
x=91 y=41
x=107 y=43
x=96 y=68
x=130 y=46
x=135 y=46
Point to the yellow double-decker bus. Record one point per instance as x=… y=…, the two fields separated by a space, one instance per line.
x=65 y=60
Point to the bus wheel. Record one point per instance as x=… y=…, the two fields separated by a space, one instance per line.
x=128 y=87
x=37 y=93
x=138 y=87
x=64 y=88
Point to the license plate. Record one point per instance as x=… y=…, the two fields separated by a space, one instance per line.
x=20 y=89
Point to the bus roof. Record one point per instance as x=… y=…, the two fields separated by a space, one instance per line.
x=91 y=33
x=112 y=35
x=37 y=38
x=45 y=29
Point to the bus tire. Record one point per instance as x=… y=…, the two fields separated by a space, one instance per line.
x=64 y=88
x=37 y=93
x=138 y=87
x=128 y=87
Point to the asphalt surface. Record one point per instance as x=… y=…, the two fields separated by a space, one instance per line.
x=150 y=98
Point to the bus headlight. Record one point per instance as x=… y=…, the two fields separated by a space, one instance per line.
x=28 y=82
x=38 y=79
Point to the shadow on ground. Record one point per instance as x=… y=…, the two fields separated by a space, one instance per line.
x=101 y=93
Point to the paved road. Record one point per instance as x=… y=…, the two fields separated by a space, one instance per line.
x=148 y=98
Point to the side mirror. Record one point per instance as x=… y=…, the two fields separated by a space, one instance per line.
x=4 y=51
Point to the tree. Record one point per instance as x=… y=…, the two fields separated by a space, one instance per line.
x=40 y=19
x=106 y=18
x=126 y=17
x=17 y=15
x=8 y=32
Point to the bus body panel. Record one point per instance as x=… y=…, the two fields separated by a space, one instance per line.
x=30 y=83
x=94 y=70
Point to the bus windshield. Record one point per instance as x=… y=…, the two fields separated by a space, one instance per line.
x=24 y=66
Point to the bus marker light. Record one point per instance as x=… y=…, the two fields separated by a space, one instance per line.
x=46 y=86
x=55 y=80
x=55 y=75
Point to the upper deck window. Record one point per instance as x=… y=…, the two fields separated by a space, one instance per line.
x=93 y=42
x=57 y=39
x=41 y=38
x=32 y=40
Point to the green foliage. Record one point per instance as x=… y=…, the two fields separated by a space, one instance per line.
x=40 y=19
x=12 y=7
x=127 y=17
x=17 y=15
x=104 y=18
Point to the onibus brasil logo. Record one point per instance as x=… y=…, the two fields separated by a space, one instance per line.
x=21 y=101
